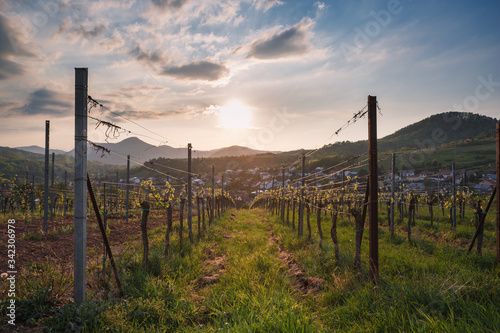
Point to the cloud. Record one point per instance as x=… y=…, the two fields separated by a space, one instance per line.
x=290 y=42
x=102 y=5
x=4 y=5
x=189 y=13
x=8 y=107
x=10 y=48
x=9 y=69
x=144 y=90
x=46 y=101
x=107 y=45
x=320 y=5
x=199 y=70
x=221 y=12
x=86 y=30
x=136 y=115
x=169 y=5
x=147 y=57
x=7 y=37
x=186 y=112
x=265 y=5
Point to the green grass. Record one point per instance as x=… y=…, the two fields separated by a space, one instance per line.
x=232 y=280
x=425 y=286
x=251 y=293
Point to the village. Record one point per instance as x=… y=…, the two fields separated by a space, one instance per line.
x=244 y=185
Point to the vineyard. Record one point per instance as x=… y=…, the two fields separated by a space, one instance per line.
x=351 y=245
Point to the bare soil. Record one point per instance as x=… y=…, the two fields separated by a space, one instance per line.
x=34 y=246
x=300 y=281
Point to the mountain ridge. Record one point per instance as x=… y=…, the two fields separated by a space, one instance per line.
x=141 y=151
x=435 y=130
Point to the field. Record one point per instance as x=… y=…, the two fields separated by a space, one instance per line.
x=251 y=273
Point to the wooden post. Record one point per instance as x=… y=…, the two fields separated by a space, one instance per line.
x=318 y=222
x=64 y=192
x=198 y=212
x=283 y=195
x=117 y=192
x=464 y=184
x=498 y=194
x=203 y=206
x=46 y=180
x=454 y=189
x=342 y=197
x=300 y=226
x=104 y=209
x=32 y=193
x=144 y=230
x=212 y=213
x=482 y=218
x=52 y=208
x=169 y=228
x=127 y=198
x=181 y=221
x=80 y=242
x=222 y=194
x=190 y=198
x=393 y=185
x=104 y=236
x=373 y=196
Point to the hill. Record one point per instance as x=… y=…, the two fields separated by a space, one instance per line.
x=16 y=163
x=231 y=151
x=41 y=150
x=438 y=129
x=435 y=131
x=441 y=128
x=141 y=151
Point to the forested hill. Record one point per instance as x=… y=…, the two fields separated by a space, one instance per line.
x=16 y=164
x=435 y=130
x=441 y=128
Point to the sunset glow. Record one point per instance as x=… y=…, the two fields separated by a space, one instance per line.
x=214 y=72
x=234 y=115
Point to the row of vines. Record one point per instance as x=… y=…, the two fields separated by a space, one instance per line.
x=296 y=205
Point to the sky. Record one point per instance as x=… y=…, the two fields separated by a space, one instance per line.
x=272 y=75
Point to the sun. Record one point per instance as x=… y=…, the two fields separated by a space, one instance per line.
x=234 y=114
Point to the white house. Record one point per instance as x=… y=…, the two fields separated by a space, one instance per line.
x=407 y=173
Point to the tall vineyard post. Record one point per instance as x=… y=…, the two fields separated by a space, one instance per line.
x=52 y=189
x=65 y=205
x=212 y=213
x=46 y=179
x=80 y=216
x=198 y=212
x=33 y=194
x=393 y=184
x=190 y=198
x=498 y=193
x=127 y=198
x=300 y=226
x=144 y=232
x=117 y=193
x=283 y=195
x=373 y=187
x=454 y=206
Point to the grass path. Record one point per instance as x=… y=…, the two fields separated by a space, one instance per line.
x=236 y=278
x=251 y=273
x=256 y=290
